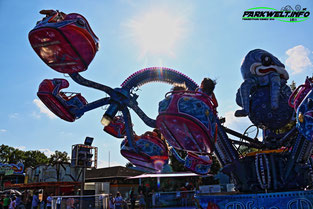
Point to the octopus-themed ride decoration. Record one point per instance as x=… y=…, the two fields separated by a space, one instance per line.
x=117 y=127
x=188 y=120
x=65 y=42
x=64 y=105
x=304 y=111
x=152 y=152
x=263 y=93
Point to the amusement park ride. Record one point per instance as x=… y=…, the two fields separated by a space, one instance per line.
x=278 y=175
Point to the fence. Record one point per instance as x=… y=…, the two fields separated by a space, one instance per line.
x=81 y=202
x=177 y=198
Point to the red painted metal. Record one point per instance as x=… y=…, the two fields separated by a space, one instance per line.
x=66 y=43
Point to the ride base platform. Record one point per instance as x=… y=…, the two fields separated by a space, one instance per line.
x=275 y=200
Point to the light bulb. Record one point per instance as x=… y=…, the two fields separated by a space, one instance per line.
x=105 y=120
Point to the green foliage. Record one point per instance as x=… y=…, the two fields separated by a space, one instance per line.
x=175 y=164
x=293 y=85
x=31 y=158
x=216 y=166
x=59 y=157
x=7 y=154
x=34 y=158
x=129 y=165
x=244 y=150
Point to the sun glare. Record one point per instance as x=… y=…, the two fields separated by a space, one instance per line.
x=157 y=32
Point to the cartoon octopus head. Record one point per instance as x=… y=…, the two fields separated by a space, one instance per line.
x=259 y=62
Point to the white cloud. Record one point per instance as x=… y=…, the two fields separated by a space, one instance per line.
x=20 y=148
x=298 y=59
x=43 y=109
x=105 y=164
x=3 y=130
x=235 y=123
x=240 y=124
x=14 y=115
x=66 y=134
x=35 y=115
x=46 y=151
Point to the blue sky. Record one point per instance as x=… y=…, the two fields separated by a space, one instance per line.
x=201 y=39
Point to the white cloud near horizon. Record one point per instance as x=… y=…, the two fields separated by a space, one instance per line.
x=14 y=115
x=35 y=115
x=3 y=130
x=298 y=59
x=43 y=109
x=105 y=164
x=240 y=124
x=23 y=148
x=235 y=123
x=46 y=151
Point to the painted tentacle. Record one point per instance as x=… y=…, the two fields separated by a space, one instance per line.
x=285 y=90
x=154 y=74
x=275 y=90
x=129 y=129
x=85 y=82
x=238 y=98
x=148 y=121
x=245 y=89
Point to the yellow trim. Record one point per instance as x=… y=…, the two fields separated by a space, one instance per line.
x=265 y=152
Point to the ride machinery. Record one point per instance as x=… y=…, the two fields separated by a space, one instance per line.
x=278 y=174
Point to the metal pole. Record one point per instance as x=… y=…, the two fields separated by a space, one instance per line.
x=158 y=183
x=1 y=183
x=109 y=159
x=82 y=186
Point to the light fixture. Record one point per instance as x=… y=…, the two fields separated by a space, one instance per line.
x=105 y=120
x=109 y=114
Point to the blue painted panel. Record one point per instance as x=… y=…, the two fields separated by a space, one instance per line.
x=278 y=200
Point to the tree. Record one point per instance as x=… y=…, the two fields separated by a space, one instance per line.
x=129 y=165
x=59 y=157
x=31 y=158
x=34 y=158
x=175 y=164
x=10 y=154
x=293 y=85
x=6 y=154
x=216 y=166
x=244 y=150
